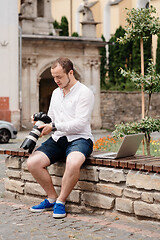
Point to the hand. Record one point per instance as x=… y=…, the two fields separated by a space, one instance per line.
x=46 y=129
x=32 y=120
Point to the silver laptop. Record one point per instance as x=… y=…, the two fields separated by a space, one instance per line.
x=128 y=147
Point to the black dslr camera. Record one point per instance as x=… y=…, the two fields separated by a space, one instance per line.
x=30 y=141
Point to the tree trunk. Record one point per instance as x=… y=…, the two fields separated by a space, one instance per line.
x=142 y=72
x=149 y=103
x=147 y=140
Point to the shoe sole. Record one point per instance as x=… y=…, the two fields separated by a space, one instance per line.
x=59 y=215
x=41 y=210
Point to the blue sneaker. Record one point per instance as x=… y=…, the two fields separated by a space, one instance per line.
x=59 y=210
x=43 y=206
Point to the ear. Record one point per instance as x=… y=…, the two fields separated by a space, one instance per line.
x=71 y=72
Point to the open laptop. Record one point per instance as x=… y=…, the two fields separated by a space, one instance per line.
x=128 y=147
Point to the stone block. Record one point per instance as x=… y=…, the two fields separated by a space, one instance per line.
x=147 y=197
x=13 y=173
x=147 y=210
x=98 y=200
x=112 y=175
x=87 y=186
x=110 y=189
x=14 y=185
x=89 y=173
x=34 y=189
x=58 y=190
x=10 y=195
x=143 y=181
x=131 y=193
x=30 y=200
x=24 y=165
x=73 y=208
x=56 y=180
x=13 y=162
x=156 y=197
x=26 y=176
x=124 y=205
x=57 y=169
x=74 y=196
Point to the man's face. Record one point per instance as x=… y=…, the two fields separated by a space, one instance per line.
x=60 y=77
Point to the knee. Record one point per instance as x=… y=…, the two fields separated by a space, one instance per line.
x=72 y=166
x=31 y=164
x=74 y=161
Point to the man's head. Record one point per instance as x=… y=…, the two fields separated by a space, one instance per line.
x=62 y=72
x=64 y=62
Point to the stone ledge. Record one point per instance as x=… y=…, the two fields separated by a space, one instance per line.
x=137 y=162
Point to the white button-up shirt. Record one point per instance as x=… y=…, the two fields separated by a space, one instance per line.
x=71 y=113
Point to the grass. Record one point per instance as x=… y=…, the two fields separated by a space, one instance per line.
x=111 y=144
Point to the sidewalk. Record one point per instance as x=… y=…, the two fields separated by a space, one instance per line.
x=17 y=222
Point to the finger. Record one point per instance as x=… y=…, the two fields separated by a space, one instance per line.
x=41 y=126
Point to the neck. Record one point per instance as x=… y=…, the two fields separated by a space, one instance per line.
x=69 y=85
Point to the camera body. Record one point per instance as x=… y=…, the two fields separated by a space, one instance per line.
x=30 y=141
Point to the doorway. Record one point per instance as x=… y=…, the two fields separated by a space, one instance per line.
x=46 y=87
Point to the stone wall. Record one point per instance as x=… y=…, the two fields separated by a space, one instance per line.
x=117 y=107
x=100 y=189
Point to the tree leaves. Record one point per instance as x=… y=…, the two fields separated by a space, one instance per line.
x=150 y=81
x=141 y=23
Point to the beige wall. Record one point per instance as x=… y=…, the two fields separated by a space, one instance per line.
x=156 y=4
x=114 y=18
x=122 y=11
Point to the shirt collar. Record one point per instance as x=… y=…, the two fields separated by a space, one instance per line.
x=71 y=89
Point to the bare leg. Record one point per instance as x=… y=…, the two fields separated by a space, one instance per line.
x=37 y=164
x=74 y=162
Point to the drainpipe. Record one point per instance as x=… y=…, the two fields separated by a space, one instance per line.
x=20 y=75
x=71 y=16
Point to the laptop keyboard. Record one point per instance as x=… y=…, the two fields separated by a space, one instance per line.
x=106 y=155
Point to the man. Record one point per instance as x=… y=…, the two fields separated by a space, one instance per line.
x=70 y=110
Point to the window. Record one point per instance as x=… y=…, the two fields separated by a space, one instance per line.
x=147 y=5
x=40 y=8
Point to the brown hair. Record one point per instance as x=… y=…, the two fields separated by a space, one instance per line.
x=65 y=63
